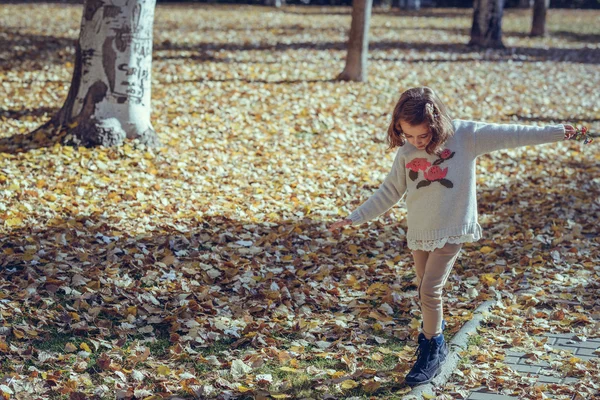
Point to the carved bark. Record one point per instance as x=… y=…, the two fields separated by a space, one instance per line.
x=109 y=97
x=358 y=44
x=487 y=23
x=538 y=25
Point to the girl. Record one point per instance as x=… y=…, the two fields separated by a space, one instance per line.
x=435 y=167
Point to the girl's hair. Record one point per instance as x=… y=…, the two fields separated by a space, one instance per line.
x=416 y=106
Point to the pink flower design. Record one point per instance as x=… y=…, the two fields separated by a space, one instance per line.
x=435 y=173
x=418 y=164
x=446 y=154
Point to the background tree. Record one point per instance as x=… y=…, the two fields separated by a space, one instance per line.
x=109 y=97
x=538 y=25
x=487 y=23
x=358 y=43
x=410 y=4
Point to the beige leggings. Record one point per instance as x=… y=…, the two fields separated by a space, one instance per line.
x=433 y=269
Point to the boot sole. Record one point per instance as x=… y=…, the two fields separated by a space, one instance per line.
x=413 y=384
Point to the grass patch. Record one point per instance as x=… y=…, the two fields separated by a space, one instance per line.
x=475 y=340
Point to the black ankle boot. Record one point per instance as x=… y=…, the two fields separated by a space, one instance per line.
x=444 y=349
x=429 y=360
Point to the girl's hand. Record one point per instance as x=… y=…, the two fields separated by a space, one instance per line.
x=570 y=131
x=339 y=224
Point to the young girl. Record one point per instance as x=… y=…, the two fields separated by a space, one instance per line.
x=435 y=167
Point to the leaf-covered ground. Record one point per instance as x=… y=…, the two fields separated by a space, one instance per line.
x=205 y=268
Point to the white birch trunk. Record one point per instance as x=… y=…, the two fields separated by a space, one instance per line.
x=109 y=98
x=538 y=25
x=358 y=44
x=487 y=23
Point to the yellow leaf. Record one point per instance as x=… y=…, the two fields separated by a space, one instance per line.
x=83 y=346
x=488 y=279
x=16 y=221
x=349 y=384
x=377 y=357
x=428 y=396
x=19 y=334
x=280 y=396
x=415 y=323
x=486 y=249
x=163 y=370
x=244 y=389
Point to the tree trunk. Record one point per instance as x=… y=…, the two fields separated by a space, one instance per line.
x=385 y=5
x=487 y=24
x=538 y=26
x=109 y=98
x=410 y=4
x=358 y=44
x=525 y=3
x=275 y=3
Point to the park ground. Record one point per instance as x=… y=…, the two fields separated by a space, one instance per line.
x=204 y=268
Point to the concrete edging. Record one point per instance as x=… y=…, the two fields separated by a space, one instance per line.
x=457 y=344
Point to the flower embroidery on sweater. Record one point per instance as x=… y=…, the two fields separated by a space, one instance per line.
x=431 y=172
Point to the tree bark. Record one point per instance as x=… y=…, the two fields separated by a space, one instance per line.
x=275 y=3
x=109 y=97
x=410 y=4
x=487 y=24
x=525 y=3
x=358 y=43
x=538 y=25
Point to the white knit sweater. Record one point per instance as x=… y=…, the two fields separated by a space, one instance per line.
x=441 y=195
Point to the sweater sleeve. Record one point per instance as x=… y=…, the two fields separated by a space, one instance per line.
x=490 y=137
x=389 y=193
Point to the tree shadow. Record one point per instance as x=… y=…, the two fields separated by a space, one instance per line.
x=23 y=143
x=395 y=12
x=586 y=55
x=275 y=82
x=43 y=49
x=37 y=112
x=255 y=266
x=577 y=37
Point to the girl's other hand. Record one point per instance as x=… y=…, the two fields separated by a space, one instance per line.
x=570 y=131
x=337 y=225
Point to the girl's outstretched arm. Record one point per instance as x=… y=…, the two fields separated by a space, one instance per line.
x=488 y=137
x=389 y=193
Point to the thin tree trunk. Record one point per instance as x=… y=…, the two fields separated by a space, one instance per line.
x=109 y=97
x=538 y=26
x=275 y=3
x=386 y=5
x=487 y=23
x=410 y=4
x=358 y=44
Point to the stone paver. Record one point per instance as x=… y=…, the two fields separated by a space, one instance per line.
x=540 y=368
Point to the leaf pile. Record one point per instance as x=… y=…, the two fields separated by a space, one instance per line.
x=204 y=268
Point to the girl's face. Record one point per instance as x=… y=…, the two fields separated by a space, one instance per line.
x=417 y=135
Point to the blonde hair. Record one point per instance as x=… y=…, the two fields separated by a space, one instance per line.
x=416 y=106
